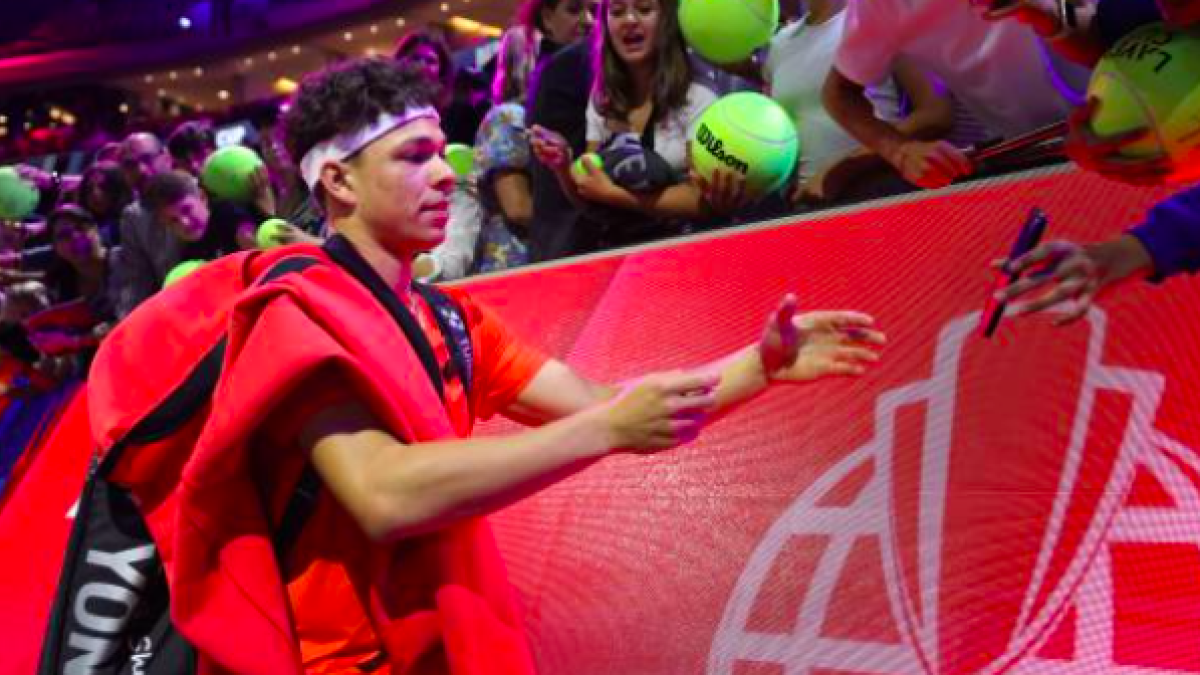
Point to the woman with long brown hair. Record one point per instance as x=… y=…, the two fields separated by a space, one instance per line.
x=644 y=92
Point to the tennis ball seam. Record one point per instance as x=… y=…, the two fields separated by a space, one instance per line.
x=727 y=115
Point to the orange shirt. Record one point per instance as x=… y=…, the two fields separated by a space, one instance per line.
x=326 y=570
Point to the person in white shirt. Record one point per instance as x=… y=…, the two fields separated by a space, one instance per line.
x=1001 y=73
x=798 y=60
x=644 y=86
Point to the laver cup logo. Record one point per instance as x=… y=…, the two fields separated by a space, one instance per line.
x=1064 y=544
x=716 y=147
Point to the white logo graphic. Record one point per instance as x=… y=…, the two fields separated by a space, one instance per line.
x=1082 y=587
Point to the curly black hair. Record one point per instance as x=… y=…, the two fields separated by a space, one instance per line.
x=349 y=96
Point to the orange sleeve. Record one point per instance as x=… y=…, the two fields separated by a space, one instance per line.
x=503 y=364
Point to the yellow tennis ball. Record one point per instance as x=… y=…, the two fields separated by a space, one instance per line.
x=1151 y=79
x=267 y=234
x=728 y=31
x=749 y=134
x=579 y=170
x=182 y=270
x=461 y=159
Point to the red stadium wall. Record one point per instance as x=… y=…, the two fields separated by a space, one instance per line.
x=1027 y=504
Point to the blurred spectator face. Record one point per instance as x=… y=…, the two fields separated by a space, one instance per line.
x=632 y=27
x=96 y=199
x=568 y=19
x=143 y=156
x=187 y=218
x=110 y=152
x=426 y=58
x=75 y=240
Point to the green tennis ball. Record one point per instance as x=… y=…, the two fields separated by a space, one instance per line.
x=461 y=158
x=226 y=175
x=1151 y=79
x=268 y=231
x=728 y=31
x=749 y=134
x=182 y=270
x=18 y=198
x=578 y=169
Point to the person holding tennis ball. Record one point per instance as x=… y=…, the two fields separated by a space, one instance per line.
x=1167 y=241
x=644 y=89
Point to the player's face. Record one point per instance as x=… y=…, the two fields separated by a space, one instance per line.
x=402 y=184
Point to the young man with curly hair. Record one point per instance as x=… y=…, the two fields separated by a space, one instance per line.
x=395 y=569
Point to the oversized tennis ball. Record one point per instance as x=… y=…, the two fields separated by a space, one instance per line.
x=749 y=134
x=1151 y=79
x=18 y=198
x=267 y=234
x=461 y=158
x=182 y=270
x=728 y=31
x=227 y=173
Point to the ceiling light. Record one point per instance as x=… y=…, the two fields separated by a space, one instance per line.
x=223 y=95
x=173 y=75
x=249 y=61
x=445 y=7
x=374 y=29
x=285 y=86
x=124 y=108
x=347 y=36
x=198 y=72
x=162 y=93
x=55 y=113
x=148 y=79
x=400 y=22
x=185 y=23
x=295 y=49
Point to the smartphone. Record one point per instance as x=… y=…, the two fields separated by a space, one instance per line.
x=1027 y=239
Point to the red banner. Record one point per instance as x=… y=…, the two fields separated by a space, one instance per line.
x=1025 y=504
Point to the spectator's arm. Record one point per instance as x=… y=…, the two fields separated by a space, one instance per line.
x=514 y=196
x=847 y=104
x=133 y=277
x=932 y=115
x=1171 y=234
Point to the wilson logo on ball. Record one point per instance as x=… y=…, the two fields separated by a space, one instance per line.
x=716 y=148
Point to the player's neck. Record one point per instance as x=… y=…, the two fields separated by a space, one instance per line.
x=396 y=269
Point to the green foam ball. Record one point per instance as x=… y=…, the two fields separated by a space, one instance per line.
x=226 y=175
x=268 y=231
x=728 y=31
x=749 y=134
x=18 y=198
x=182 y=270
x=1151 y=79
x=461 y=158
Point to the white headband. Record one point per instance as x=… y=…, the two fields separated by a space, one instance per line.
x=342 y=146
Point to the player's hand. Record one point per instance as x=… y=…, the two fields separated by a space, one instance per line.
x=660 y=411
x=929 y=164
x=550 y=148
x=805 y=347
x=1102 y=154
x=1071 y=273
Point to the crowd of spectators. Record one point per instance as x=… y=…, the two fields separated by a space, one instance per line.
x=888 y=96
